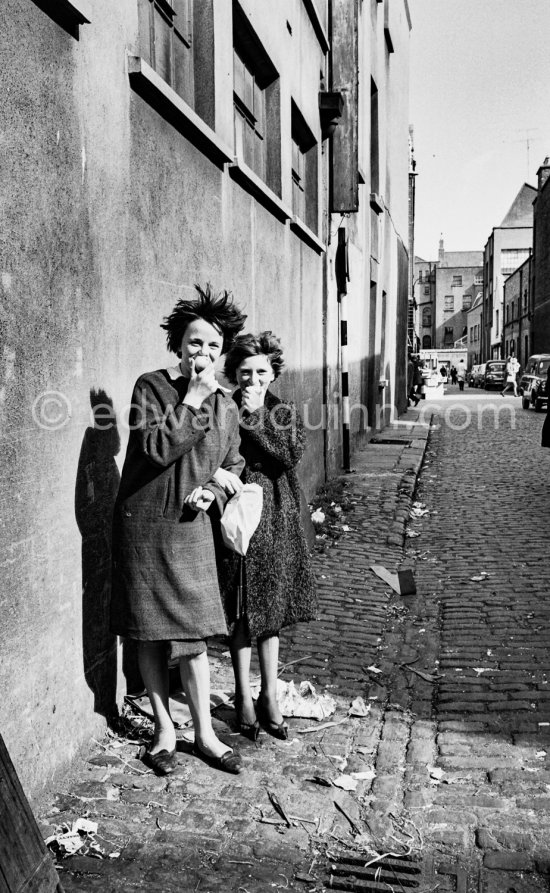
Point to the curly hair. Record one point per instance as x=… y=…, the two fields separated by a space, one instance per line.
x=250 y=346
x=218 y=310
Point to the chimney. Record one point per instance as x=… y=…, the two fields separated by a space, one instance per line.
x=543 y=172
x=441 y=251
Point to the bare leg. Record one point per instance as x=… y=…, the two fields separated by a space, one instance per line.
x=241 y=650
x=195 y=677
x=153 y=666
x=268 y=653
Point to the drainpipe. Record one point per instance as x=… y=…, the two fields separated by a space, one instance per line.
x=342 y=278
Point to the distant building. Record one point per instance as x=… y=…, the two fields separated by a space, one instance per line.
x=424 y=294
x=444 y=292
x=506 y=249
x=458 y=280
x=473 y=323
x=540 y=286
x=516 y=323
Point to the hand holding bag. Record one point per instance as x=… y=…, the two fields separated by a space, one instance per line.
x=241 y=517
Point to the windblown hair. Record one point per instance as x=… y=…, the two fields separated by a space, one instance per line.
x=250 y=346
x=218 y=310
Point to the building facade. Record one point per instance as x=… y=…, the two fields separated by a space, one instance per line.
x=154 y=144
x=507 y=248
x=516 y=328
x=424 y=299
x=540 y=284
x=444 y=291
x=474 y=324
x=458 y=278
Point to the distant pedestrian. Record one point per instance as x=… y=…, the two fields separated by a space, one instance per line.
x=443 y=373
x=461 y=374
x=453 y=375
x=416 y=381
x=512 y=369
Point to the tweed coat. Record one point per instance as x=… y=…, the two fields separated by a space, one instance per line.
x=165 y=583
x=278 y=583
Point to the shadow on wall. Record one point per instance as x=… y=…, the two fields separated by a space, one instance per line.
x=97 y=484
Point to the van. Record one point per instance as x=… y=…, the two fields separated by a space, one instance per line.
x=532 y=385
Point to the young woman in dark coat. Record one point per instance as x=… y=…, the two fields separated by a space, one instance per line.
x=182 y=464
x=277 y=587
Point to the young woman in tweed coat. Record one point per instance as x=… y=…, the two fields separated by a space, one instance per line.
x=181 y=465
x=278 y=588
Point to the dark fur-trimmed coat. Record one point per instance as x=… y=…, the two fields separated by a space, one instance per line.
x=278 y=583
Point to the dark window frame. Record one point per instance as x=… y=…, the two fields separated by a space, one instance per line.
x=166 y=40
x=257 y=126
x=304 y=170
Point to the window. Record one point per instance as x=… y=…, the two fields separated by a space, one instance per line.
x=166 y=43
x=457 y=280
x=426 y=316
x=512 y=312
x=471 y=333
x=426 y=289
x=256 y=104
x=511 y=259
x=304 y=170
x=249 y=101
x=507 y=313
x=466 y=302
x=497 y=322
x=374 y=147
x=448 y=303
x=478 y=279
x=420 y=276
x=525 y=301
x=426 y=342
x=448 y=338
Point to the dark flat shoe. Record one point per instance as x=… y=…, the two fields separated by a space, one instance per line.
x=162 y=763
x=275 y=729
x=230 y=761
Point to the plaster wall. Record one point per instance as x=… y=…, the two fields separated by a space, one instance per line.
x=110 y=215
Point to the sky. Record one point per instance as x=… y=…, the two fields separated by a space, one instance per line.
x=479 y=87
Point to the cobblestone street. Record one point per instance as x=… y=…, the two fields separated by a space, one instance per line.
x=451 y=763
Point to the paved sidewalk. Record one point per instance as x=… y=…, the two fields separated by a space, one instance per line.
x=437 y=791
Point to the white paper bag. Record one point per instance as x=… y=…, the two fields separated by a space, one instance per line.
x=241 y=517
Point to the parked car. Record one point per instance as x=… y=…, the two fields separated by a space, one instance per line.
x=532 y=385
x=495 y=374
x=479 y=377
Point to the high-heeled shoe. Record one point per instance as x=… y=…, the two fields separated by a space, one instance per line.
x=276 y=729
x=249 y=730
